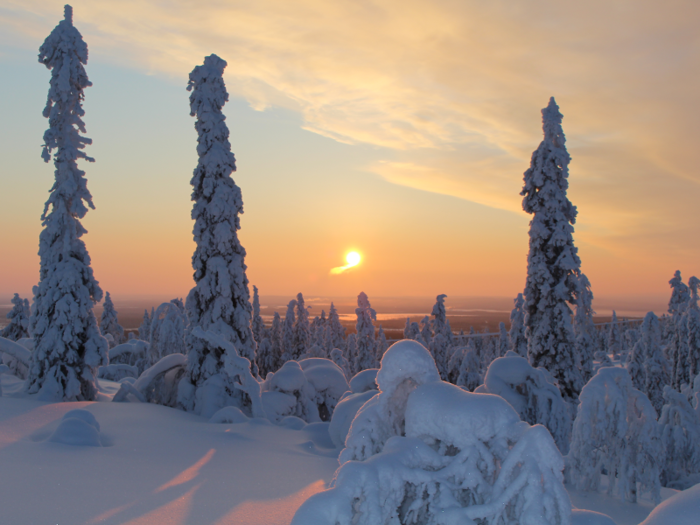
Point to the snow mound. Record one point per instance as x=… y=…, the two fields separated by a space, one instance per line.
x=681 y=509
x=344 y=414
x=364 y=381
x=589 y=517
x=292 y=423
x=229 y=415
x=78 y=428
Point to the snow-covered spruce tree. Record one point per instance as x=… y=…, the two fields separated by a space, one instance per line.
x=584 y=329
x=220 y=300
x=426 y=333
x=553 y=262
x=503 y=340
x=302 y=336
x=615 y=430
x=19 y=320
x=351 y=352
x=276 y=346
x=145 y=328
x=469 y=370
x=258 y=324
x=382 y=345
x=288 y=333
x=518 y=341
x=366 y=356
x=336 y=334
x=109 y=323
x=677 y=346
x=692 y=314
x=636 y=366
x=68 y=346
x=439 y=344
x=680 y=435
x=614 y=339
x=657 y=376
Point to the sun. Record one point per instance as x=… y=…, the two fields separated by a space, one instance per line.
x=353 y=258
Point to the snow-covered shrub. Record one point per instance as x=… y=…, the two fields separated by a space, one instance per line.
x=287 y=392
x=134 y=353
x=17 y=355
x=364 y=381
x=406 y=365
x=344 y=413
x=328 y=382
x=109 y=323
x=117 y=372
x=463 y=459
x=680 y=434
x=167 y=332
x=68 y=346
x=553 y=264
x=469 y=371
x=18 y=328
x=233 y=384
x=339 y=359
x=534 y=398
x=157 y=384
x=615 y=431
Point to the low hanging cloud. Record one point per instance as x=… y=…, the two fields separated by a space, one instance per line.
x=452 y=91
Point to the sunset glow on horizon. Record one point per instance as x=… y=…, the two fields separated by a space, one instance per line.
x=408 y=138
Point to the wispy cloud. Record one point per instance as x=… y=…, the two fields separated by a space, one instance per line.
x=451 y=91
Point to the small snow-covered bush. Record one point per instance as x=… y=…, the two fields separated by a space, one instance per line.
x=167 y=332
x=534 y=398
x=405 y=365
x=464 y=459
x=328 y=382
x=345 y=413
x=134 y=353
x=309 y=389
x=680 y=435
x=616 y=432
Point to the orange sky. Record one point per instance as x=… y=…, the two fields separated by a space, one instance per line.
x=397 y=128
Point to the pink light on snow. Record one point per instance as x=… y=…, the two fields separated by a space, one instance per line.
x=19 y=427
x=189 y=473
x=271 y=512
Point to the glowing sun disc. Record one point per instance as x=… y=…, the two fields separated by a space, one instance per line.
x=353 y=258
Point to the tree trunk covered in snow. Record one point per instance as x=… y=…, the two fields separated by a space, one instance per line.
x=68 y=346
x=553 y=262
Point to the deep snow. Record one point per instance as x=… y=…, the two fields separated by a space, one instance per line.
x=159 y=465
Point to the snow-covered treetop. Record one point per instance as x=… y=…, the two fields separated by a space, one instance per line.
x=679 y=295
x=439 y=313
x=546 y=180
x=65 y=52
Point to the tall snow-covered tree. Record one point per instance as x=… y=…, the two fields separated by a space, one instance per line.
x=68 y=346
x=553 y=262
x=109 y=323
x=288 y=333
x=276 y=343
x=366 y=356
x=680 y=294
x=19 y=320
x=220 y=300
x=258 y=324
x=302 y=332
x=145 y=328
x=518 y=341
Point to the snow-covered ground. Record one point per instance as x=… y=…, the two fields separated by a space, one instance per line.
x=160 y=465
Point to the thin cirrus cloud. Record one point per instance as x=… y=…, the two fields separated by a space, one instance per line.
x=451 y=90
